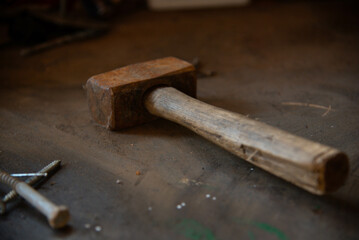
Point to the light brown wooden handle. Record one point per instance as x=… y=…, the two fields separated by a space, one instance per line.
x=312 y=166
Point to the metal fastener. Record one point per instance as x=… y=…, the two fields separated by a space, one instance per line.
x=28 y=174
x=57 y=216
x=31 y=181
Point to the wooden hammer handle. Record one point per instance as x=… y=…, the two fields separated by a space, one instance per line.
x=312 y=166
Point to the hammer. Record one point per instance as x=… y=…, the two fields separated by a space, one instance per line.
x=166 y=88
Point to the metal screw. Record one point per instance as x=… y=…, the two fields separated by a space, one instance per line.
x=31 y=181
x=28 y=174
x=57 y=216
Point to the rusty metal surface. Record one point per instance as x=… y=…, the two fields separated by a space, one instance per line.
x=293 y=65
x=115 y=98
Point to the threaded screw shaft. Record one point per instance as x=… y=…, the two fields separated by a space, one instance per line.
x=57 y=216
x=32 y=180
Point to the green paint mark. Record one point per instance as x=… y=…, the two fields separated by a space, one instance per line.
x=193 y=230
x=268 y=228
x=251 y=235
x=265 y=227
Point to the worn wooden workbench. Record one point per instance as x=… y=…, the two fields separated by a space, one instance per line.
x=265 y=56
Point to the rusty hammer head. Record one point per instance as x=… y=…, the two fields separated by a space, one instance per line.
x=115 y=98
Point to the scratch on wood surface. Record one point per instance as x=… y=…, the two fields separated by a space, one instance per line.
x=188 y=181
x=328 y=109
x=252 y=155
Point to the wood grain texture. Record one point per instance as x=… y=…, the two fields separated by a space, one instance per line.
x=314 y=167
